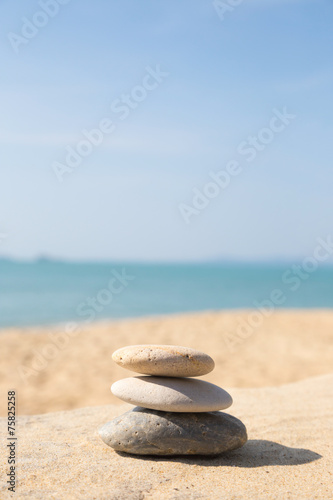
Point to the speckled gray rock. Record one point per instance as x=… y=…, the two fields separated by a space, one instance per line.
x=164 y=360
x=148 y=432
x=172 y=394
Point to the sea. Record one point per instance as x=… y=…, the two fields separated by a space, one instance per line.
x=45 y=292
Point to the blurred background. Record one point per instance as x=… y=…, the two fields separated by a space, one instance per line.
x=115 y=118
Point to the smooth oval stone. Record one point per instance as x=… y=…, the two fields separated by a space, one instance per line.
x=172 y=394
x=148 y=432
x=164 y=360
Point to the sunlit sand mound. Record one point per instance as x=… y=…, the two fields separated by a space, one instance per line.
x=288 y=455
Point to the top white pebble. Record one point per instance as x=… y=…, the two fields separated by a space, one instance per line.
x=164 y=360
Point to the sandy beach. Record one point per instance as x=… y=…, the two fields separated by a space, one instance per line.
x=53 y=371
x=278 y=375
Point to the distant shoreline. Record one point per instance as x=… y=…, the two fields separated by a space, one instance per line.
x=40 y=328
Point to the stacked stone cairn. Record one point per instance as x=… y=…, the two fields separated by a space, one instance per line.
x=175 y=414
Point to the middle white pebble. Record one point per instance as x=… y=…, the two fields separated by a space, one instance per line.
x=172 y=394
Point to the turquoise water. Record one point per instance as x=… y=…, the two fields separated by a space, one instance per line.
x=46 y=292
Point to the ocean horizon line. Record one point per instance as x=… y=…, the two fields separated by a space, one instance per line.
x=163 y=262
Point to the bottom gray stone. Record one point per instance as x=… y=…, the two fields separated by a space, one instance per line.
x=149 y=432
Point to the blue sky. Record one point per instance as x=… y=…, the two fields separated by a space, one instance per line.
x=225 y=78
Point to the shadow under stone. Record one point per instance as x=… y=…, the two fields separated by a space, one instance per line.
x=255 y=453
